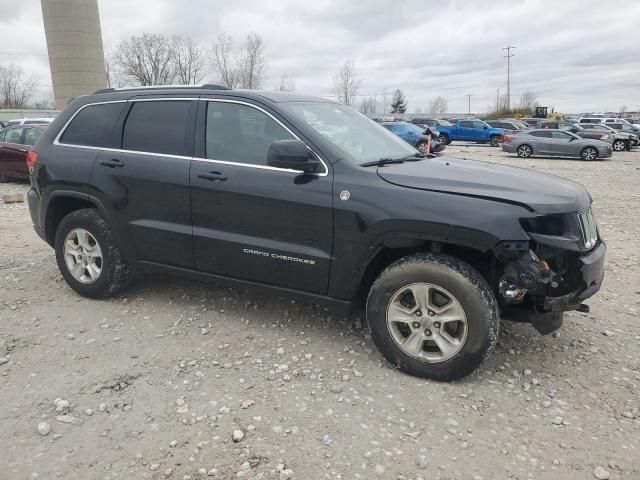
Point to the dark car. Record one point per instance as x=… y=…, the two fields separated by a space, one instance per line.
x=15 y=143
x=620 y=140
x=508 y=126
x=430 y=122
x=308 y=198
x=416 y=135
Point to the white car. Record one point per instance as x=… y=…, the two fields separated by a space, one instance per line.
x=29 y=121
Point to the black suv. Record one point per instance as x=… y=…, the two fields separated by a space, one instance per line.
x=308 y=197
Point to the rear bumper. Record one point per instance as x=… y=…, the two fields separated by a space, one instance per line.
x=34 y=202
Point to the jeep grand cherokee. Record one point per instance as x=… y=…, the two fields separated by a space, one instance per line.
x=308 y=197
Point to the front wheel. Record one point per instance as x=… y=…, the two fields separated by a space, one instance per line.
x=422 y=146
x=495 y=141
x=589 y=153
x=619 y=146
x=444 y=138
x=433 y=316
x=88 y=256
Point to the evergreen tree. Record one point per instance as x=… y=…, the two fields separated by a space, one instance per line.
x=398 y=102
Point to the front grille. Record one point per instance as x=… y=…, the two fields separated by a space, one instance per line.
x=588 y=228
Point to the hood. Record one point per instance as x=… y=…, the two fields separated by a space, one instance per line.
x=496 y=131
x=538 y=192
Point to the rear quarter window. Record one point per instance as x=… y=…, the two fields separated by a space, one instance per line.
x=92 y=126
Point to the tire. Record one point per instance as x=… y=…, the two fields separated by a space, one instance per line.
x=524 y=151
x=444 y=138
x=422 y=146
x=619 y=145
x=494 y=141
x=467 y=297
x=589 y=153
x=70 y=240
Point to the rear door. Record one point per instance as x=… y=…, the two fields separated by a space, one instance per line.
x=542 y=144
x=252 y=221
x=466 y=131
x=13 y=153
x=144 y=182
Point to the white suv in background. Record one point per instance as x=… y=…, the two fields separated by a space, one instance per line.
x=28 y=121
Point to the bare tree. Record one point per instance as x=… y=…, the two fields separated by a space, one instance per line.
x=47 y=102
x=15 y=89
x=251 y=65
x=286 y=84
x=439 y=105
x=368 y=106
x=346 y=84
x=528 y=100
x=222 y=61
x=188 y=60
x=146 y=59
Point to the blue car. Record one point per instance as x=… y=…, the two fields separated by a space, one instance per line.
x=414 y=135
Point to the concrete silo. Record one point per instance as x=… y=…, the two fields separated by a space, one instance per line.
x=74 y=42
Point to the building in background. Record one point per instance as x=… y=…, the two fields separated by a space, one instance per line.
x=74 y=43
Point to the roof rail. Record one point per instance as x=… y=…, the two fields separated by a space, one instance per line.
x=206 y=86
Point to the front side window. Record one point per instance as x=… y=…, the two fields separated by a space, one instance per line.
x=13 y=135
x=31 y=136
x=479 y=125
x=240 y=133
x=158 y=127
x=358 y=138
x=466 y=124
x=92 y=126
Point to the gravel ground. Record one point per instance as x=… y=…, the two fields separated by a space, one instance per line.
x=185 y=380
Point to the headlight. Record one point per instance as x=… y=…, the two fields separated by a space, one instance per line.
x=607 y=137
x=553 y=225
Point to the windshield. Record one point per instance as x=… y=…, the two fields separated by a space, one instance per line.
x=445 y=123
x=356 y=136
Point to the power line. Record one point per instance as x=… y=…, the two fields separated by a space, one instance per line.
x=508 y=57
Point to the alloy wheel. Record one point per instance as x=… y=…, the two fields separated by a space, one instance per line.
x=427 y=322
x=83 y=256
x=619 y=146
x=589 y=153
x=524 y=151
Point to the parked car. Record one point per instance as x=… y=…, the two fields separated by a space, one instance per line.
x=15 y=143
x=29 y=121
x=415 y=135
x=430 y=122
x=509 y=126
x=308 y=198
x=555 y=143
x=470 y=131
x=623 y=125
x=621 y=140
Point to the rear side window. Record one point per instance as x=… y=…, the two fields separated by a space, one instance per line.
x=31 y=136
x=541 y=133
x=92 y=126
x=158 y=127
x=13 y=135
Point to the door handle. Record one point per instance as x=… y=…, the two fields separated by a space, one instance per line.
x=212 y=176
x=113 y=163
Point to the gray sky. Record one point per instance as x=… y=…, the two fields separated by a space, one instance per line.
x=577 y=55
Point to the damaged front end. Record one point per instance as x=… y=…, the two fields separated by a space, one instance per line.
x=555 y=271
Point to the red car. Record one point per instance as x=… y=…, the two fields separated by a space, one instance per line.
x=15 y=142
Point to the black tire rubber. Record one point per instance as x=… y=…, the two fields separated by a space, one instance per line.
x=469 y=288
x=589 y=148
x=444 y=138
x=522 y=156
x=494 y=141
x=115 y=270
x=627 y=145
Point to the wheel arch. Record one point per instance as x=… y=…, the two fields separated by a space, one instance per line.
x=62 y=203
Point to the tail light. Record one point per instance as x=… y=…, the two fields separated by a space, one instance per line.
x=32 y=158
x=506 y=139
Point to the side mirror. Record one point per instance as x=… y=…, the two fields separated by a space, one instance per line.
x=485 y=127
x=293 y=155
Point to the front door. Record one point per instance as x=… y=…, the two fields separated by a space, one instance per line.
x=252 y=221
x=564 y=144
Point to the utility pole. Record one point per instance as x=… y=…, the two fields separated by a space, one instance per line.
x=497 y=100
x=469 y=97
x=508 y=56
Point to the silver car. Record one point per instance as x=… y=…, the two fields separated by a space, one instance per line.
x=548 y=141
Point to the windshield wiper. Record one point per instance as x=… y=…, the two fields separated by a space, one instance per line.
x=389 y=161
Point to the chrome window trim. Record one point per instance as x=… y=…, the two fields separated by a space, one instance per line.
x=263 y=167
x=57 y=141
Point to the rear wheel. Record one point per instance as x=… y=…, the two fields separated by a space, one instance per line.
x=422 y=146
x=619 y=145
x=88 y=256
x=589 y=153
x=494 y=141
x=524 y=151
x=433 y=316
